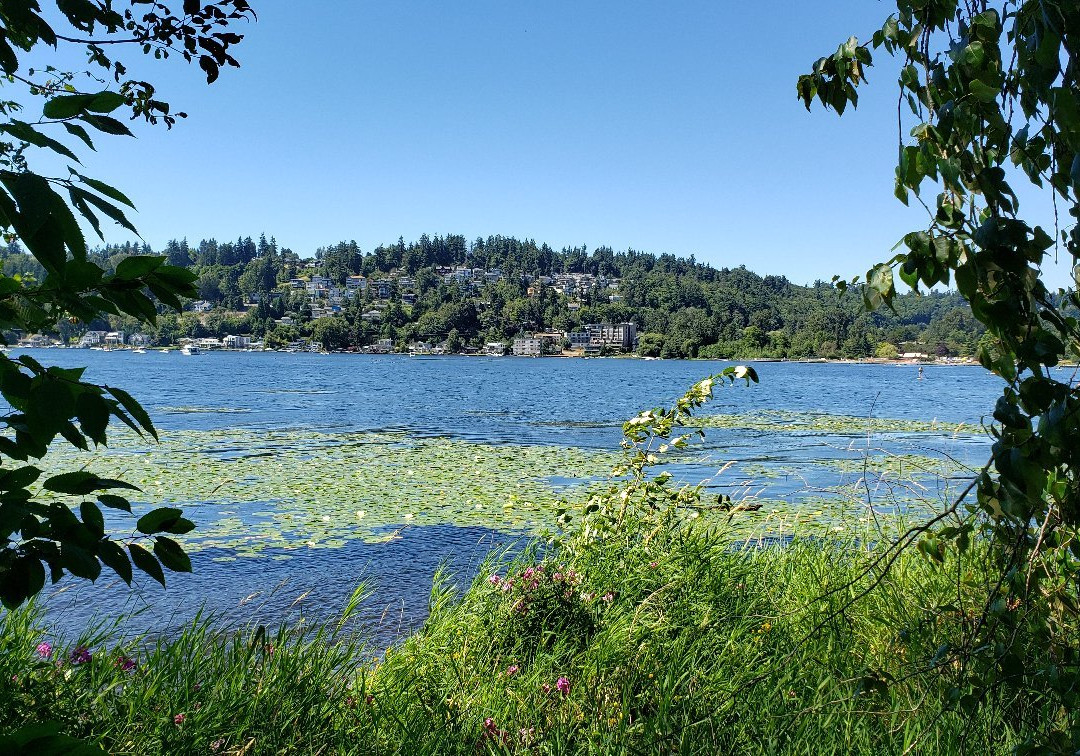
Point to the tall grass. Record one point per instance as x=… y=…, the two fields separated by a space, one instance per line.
x=679 y=644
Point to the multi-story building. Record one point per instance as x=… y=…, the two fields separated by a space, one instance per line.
x=528 y=346
x=622 y=336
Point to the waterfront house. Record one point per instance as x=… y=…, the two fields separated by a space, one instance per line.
x=92 y=339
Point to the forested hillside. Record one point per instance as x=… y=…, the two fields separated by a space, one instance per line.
x=449 y=291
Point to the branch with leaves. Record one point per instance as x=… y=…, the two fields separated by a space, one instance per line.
x=993 y=99
x=56 y=526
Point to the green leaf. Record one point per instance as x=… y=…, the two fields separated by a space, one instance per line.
x=67 y=106
x=23 y=579
x=134 y=408
x=145 y=561
x=107 y=101
x=26 y=133
x=51 y=403
x=78 y=561
x=20 y=477
x=34 y=222
x=158 y=520
x=93 y=413
x=107 y=190
x=983 y=92
x=92 y=518
x=81 y=482
x=115 y=502
x=105 y=207
x=115 y=558
x=76 y=130
x=171 y=554
x=137 y=266
x=106 y=124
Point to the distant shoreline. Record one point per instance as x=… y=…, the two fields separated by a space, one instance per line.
x=946 y=362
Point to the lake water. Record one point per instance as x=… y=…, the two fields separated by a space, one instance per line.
x=783 y=452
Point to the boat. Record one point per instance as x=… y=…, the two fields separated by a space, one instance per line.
x=190 y=349
x=138 y=351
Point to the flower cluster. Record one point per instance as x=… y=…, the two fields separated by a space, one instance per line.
x=539 y=605
x=44 y=650
x=80 y=655
x=492 y=732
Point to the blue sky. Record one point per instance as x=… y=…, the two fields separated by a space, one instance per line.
x=666 y=127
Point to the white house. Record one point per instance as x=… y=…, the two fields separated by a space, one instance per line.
x=527 y=346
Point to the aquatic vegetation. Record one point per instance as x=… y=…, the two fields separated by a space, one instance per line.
x=790 y=421
x=300 y=489
x=248 y=491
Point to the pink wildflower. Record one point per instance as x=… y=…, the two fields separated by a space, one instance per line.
x=528 y=573
x=563 y=685
x=44 y=650
x=512 y=670
x=179 y=719
x=495 y=580
x=654 y=565
x=80 y=655
x=608 y=597
x=126 y=664
x=489 y=725
x=557 y=577
x=546 y=688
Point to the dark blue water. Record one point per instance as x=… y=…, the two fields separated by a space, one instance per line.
x=571 y=402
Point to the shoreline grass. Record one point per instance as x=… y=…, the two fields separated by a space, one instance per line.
x=678 y=644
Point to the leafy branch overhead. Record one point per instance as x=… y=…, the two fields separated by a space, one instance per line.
x=58 y=523
x=990 y=100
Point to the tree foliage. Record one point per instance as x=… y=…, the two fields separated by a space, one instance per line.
x=990 y=100
x=55 y=526
x=689 y=308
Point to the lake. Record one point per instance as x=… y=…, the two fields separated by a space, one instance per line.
x=307 y=474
